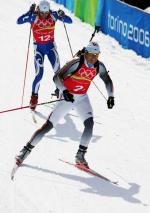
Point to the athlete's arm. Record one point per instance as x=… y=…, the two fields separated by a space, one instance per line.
x=66 y=18
x=103 y=73
x=28 y=17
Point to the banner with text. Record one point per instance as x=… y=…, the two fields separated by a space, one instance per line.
x=129 y=25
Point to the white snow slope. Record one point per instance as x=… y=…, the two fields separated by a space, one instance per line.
x=120 y=148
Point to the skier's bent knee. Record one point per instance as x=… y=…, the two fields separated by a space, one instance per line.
x=88 y=123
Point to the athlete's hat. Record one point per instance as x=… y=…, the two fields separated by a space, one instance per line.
x=44 y=6
x=92 y=47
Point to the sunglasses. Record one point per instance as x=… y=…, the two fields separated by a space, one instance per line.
x=90 y=54
x=44 y=13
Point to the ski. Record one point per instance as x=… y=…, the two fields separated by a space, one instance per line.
x=33 y=116
x=89 y=171
x=14 y=170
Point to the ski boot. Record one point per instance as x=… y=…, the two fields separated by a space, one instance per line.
x=79 y=158
x=33 y=101
x=23 y=154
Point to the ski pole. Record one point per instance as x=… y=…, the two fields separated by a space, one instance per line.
x=68 y=38
x=26 y=67
x=93 y=34
x=24 y=107
x=99 y=90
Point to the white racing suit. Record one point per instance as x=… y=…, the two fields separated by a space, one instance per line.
x=81 y=103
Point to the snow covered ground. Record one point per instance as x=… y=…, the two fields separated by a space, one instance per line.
x=120 y=148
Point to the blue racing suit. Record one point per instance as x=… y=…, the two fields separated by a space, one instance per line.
x=44 y=44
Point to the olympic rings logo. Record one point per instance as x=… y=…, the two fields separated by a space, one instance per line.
x=87 y=73
x=44 y=23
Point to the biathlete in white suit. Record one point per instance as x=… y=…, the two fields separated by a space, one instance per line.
x=43 y=22
x=73 y=80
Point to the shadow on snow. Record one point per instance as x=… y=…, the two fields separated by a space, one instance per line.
x=97 y=186
x=67 y=130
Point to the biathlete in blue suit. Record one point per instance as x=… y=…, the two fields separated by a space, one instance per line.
x=43 y=21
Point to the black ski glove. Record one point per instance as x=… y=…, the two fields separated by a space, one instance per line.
x=110 y=102
x=68 y=96
x=61 y=13
x=32 y=8
x=97 y=28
